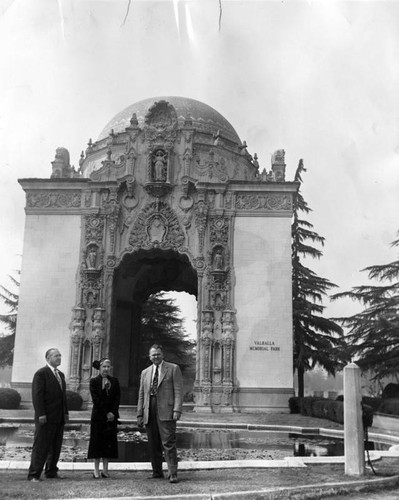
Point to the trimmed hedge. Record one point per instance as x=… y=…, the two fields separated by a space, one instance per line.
x=326 y=408
x=389 y=406
x=10 y=399
x=307 y=405
x=373 y=402
x=390 y=391
x=74 y=401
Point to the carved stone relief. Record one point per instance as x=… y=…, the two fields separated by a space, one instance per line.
x=270 y=201
x=157 y=226
x=94 y=229
x=54 y=199
x=211 y=167
x=201 y=214
x=160 y=129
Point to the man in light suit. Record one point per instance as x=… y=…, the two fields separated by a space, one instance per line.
x=159 y=407
x=51 y=413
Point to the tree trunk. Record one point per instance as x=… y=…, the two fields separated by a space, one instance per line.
x=301 y=374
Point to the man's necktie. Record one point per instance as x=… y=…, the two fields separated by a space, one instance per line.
x=154 y=386
x=58 y=377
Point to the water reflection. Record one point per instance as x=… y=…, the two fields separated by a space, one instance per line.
x=133 y=446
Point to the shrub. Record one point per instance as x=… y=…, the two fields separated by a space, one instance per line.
x=319 y=408
x=10 y=399
x=306 y=405
x=74 y=401
x=294 y=404
x=389 y=406
x=391 y=391
x=337 y=412
x=373 y=402
x=329 y=409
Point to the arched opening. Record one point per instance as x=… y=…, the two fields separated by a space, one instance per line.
x=139 y=276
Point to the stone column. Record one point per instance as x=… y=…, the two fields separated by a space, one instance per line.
x=77 y=335
x=98 y=332
x=228 y=346
x=353 y=425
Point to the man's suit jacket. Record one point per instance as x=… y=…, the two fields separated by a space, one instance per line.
x=102 y=403
x=169 y=394
x=47 y=396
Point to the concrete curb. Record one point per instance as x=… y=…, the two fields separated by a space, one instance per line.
x=314 y=491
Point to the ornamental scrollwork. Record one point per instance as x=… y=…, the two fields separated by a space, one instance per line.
x=252 y=201
x=157 y=227
x=54 y=199
x=211 y=167
x=94 y=228
x=160 y=126
x=219 y=229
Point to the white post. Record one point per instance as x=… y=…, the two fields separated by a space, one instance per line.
x=353 y=424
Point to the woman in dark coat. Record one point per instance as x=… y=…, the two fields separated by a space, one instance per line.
x=105 y=393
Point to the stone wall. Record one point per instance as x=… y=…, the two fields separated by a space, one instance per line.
x=47 y=293
x=262 y=263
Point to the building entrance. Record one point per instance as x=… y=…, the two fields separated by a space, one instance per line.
x=137 y=277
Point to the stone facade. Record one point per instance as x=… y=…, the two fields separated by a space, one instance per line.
x=166 y=199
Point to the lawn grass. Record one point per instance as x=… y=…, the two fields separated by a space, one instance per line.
x=13 y=484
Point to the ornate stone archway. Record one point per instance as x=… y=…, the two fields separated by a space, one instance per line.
x=171 y=175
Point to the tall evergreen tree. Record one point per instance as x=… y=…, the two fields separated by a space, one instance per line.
x=373 y=333
x=162 y=323
x=317 y=340
x=9 y=320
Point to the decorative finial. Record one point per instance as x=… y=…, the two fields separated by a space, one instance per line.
x=109 y=153
x=82 y=159
x=133 y=120
x=188 y=122
x=89 y=147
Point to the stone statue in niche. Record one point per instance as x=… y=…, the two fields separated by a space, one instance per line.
x=91 y=259
x=159 y=166
x=156 y=229
x=218 y=301
x=91 y=299
x=218 y=260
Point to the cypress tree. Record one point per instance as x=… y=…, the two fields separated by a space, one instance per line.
x=317 y=340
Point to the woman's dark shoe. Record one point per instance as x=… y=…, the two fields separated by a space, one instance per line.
x=105 y=475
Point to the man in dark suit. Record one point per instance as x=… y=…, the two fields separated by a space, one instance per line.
x=51 y=413
x=159 y=407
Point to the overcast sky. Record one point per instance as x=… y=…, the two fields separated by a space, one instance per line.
x=319 y=79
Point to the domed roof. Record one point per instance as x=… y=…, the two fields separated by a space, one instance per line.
x=203 y=117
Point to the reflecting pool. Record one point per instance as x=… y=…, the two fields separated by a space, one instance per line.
x=193 y=444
